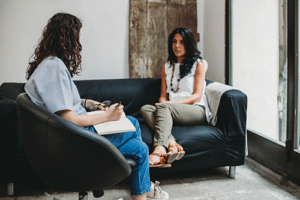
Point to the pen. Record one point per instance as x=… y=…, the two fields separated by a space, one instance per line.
x=119 y=104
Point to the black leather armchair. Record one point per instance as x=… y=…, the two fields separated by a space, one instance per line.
x=67 y=156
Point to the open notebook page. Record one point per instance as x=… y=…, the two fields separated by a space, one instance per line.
x=121 y=126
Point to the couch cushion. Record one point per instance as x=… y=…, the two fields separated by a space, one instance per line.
x=193 y=139
x=2 y=96
x=134 y=93
x=12 y=90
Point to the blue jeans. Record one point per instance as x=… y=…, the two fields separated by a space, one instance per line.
x=131 y=146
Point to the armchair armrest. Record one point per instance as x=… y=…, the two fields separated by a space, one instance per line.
x=80 y=153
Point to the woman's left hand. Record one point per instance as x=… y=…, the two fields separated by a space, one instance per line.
x=90 y=102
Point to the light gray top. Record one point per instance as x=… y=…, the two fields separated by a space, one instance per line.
x=51 y=87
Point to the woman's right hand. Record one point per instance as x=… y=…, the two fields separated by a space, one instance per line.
x=114 y=113
x=161 y=100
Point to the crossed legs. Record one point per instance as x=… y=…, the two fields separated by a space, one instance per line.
x=160 y=119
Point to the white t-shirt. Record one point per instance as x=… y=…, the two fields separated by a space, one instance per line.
x=186 y=86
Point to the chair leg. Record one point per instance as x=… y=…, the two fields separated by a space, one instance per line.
x=10 y=189
x=98 y=193
x=83 y=196
x=232 y=171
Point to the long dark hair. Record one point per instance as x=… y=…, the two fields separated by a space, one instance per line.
x=192 y=53
x=60 y=38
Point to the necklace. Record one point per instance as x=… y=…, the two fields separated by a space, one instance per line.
x=171 y=84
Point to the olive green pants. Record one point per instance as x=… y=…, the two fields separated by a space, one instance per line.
x=160 y=119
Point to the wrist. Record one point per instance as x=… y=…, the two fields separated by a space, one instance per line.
x=106 y=117
x=161 y=100
x=82 y=102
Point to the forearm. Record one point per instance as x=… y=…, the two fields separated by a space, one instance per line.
x=89 y=120
x=84 y=120
x=195 y=98
x=113 y=113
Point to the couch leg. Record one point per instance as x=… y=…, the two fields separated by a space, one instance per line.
x=231 y=171
x=98 y=193
x=10 y=189
x=83 y=196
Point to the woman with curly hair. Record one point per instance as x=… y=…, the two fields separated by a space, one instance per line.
x=182 y=99
x=56 y=60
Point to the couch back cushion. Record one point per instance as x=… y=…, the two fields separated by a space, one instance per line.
x=12 y=90
x=133 y=93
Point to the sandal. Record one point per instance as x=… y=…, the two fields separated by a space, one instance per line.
x=161 y=162
x=175 y=152
x=180 y=151
x=172 y=154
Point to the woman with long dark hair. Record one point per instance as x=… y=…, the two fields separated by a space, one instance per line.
x=55 y=61
x=182 y=99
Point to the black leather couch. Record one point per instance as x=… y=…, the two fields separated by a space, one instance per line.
x=206 y=146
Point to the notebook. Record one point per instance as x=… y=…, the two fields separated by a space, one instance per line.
x=121 y=126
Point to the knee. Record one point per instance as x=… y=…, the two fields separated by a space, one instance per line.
x=144 y=149
x=133 y=120
x=147 y=108
x=162 y=105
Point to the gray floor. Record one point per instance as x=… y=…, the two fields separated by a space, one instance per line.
x=252 y=181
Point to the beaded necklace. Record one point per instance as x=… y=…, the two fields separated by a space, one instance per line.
x=171 y=84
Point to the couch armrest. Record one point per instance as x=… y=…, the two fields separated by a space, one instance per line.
x=232 y=115
x=229 y=110
x=10 y=142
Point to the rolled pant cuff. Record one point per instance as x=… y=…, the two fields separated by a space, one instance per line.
x=140 y=191
x=161 y=143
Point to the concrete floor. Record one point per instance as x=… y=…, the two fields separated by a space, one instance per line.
x=252 y=181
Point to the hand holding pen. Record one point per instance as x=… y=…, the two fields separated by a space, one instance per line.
x=114 y=112
x=120 y=103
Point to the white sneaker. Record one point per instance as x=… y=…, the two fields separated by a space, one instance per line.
x=156 y=192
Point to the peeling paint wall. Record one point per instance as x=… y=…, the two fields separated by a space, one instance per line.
x=151 y=22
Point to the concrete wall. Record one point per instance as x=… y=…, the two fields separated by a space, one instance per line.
x=214 y=38
x=104 y=35
x=256 y=61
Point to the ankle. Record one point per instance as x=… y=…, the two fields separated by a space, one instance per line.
x=172 y=142
x=159 y=149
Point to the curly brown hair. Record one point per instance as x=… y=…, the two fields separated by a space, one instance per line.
x=60 y=38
